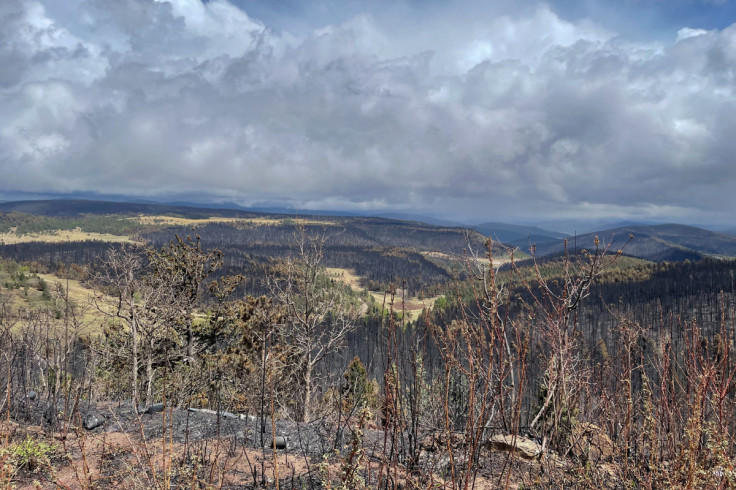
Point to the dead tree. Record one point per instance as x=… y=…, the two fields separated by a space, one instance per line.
x=151 y=300
x=318 y=315
x=555 y=306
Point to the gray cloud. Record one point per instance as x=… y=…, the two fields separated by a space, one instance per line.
x=525 y=116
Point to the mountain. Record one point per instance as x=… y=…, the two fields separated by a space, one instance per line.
x=508 y=233
x=69 y=207
x=420 y=218
x=64 y=208
x=579 y=226
x=668 y=242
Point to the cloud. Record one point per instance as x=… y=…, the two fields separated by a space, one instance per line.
x=519 y=116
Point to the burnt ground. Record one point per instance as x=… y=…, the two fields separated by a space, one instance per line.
x=180 y=448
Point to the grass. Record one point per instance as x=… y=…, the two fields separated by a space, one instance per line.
x=345 y=276
x=178 y=221
x=59 y=236
x=412 y=306
x=48 y=292
x=12 y=236
x=483 y=259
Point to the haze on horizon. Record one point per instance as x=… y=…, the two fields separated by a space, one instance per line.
x=512 y=111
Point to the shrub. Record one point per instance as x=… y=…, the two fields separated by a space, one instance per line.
x=29 y=454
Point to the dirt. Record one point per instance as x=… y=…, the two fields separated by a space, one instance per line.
x=181 y=448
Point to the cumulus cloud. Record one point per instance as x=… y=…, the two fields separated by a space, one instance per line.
x=525 y=116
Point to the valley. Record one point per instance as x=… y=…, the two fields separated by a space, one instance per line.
x=198 y=315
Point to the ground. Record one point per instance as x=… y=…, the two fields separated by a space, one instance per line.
x=177 y=448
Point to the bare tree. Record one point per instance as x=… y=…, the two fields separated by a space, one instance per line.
x=120 y=277
x=153 y=295
x=318 y=315
x=556 y=306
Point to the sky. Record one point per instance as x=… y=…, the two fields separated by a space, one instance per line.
x=500 y=110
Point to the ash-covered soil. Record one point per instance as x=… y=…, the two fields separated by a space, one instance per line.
x=233 y=445
x=189 y=425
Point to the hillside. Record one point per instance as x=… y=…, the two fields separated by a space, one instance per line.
x=210 y=365
x=508 y=233
x=669 y=242
x=378 y=251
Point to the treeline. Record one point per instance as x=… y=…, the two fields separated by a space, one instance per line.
x=377 y=267
x=353 y=231
x=53 y=256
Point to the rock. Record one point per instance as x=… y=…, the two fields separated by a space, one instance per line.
x=31 y=395
x=429 y=443
x=522 y=446
x=280 y=442
x=223 y=414
x=92 y=421
x=590 y=443
x=155 y=408
x=439 y=440
x=444 y=465
x=435 y=441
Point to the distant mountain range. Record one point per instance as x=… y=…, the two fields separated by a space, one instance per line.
x=667 y=242
x=75 y=207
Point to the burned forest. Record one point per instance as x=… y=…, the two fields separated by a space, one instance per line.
x=301 y=352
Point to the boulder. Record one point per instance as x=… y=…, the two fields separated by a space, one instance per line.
x=155 y=408
x=92 y=421
x=522 y=446
x=588 y=442
x=223 y=414
x=429 y=443
x=280 y=442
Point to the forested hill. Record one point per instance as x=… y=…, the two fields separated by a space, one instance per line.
x=508 y=233
x=378 y=250
x=669 y=242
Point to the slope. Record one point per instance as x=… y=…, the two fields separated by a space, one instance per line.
x=668 y=242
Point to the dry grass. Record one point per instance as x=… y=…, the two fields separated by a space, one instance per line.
x=497 y=260
x=79 y=297
x=59 y=236
x=345 y=276
x=176 y=221
x=76 y=235
x=412 y=306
